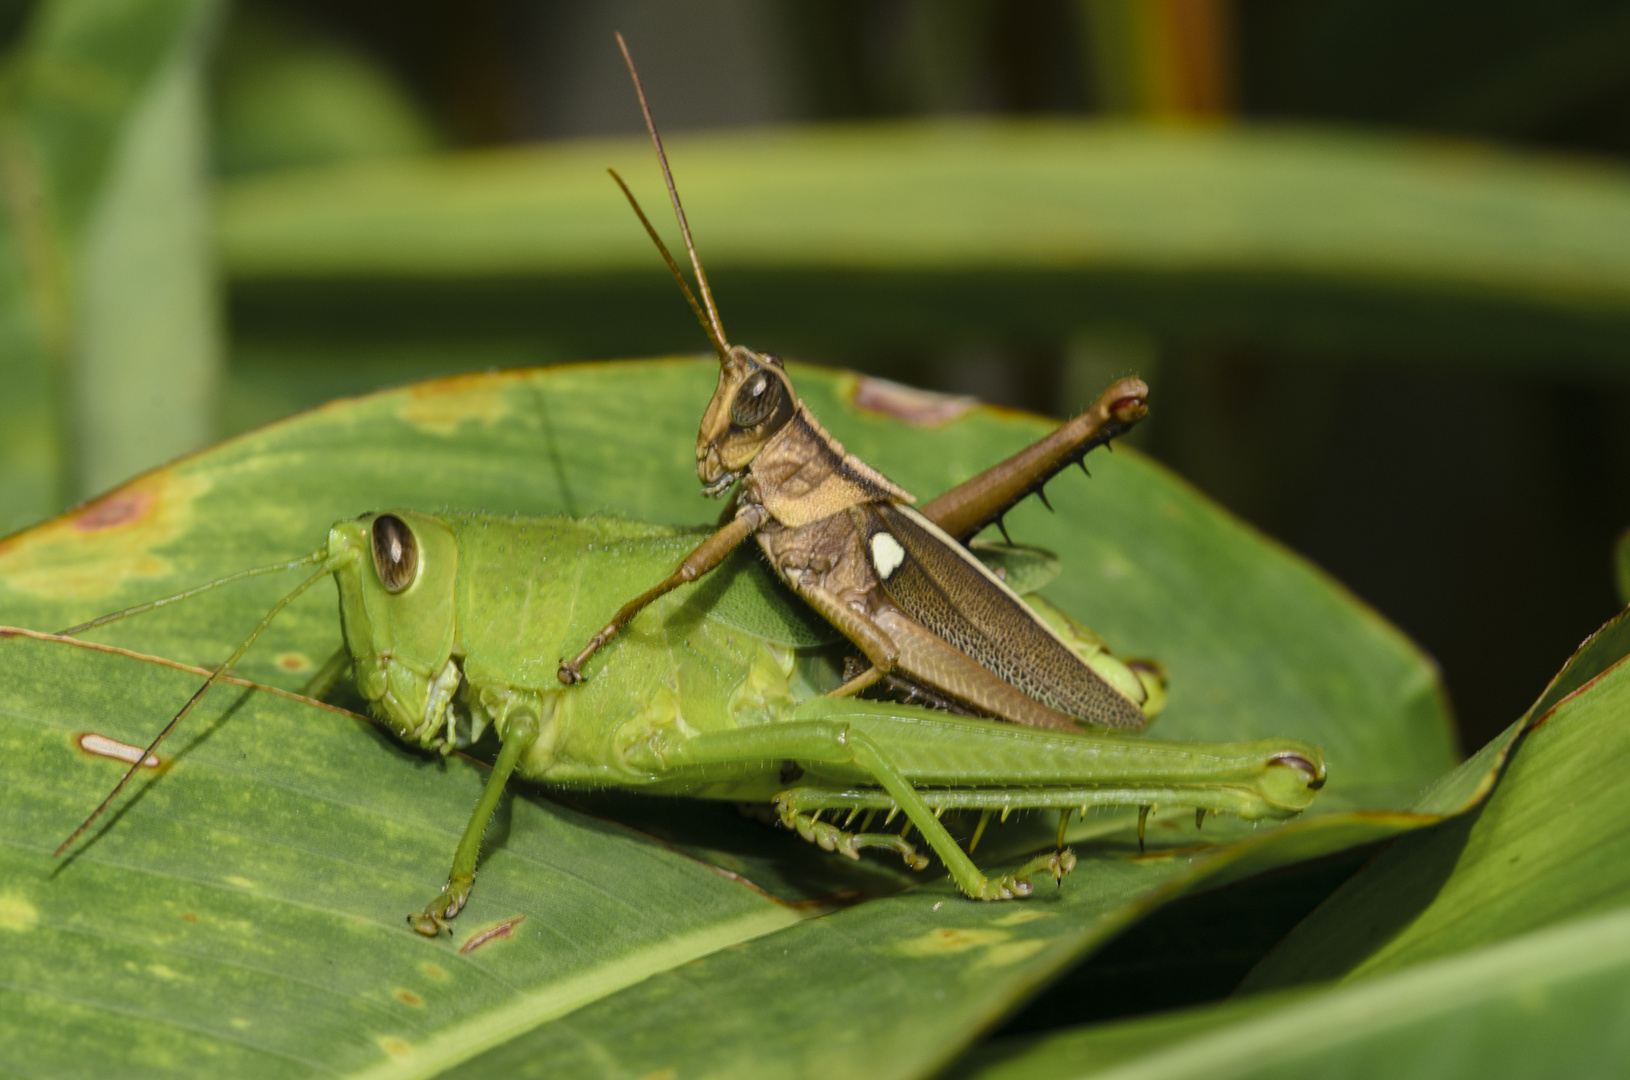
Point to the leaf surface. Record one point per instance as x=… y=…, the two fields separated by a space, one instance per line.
x=1494 y=944
x=245 y=907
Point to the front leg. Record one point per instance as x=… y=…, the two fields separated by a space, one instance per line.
x=708 y=555
x=872 y=640
x=520 y=732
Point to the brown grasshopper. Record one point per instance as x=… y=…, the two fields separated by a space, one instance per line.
x=898 y=582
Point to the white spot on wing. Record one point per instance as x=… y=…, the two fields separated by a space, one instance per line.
x=887 y=554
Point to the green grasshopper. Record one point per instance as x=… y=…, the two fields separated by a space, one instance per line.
x=452 y=624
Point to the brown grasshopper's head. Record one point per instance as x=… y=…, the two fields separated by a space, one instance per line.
x=753 y=401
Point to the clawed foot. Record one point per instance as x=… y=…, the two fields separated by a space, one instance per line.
x=448 y=903
x=1017 y=884
x=832 y=838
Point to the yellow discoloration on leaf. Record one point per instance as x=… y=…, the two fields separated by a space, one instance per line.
x=93 y=551
x=240 y=882
x=294 y=662
x=397 y=1048
x=434 y=971
x=239 y=1022
x=440 y=407
x=408 y=997
x=16 y=913
x=1023 y=915
x=1011 y=952
x=949 y=940
x=163 y=972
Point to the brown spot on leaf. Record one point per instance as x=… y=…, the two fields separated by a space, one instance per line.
x=408 y=997
x=399 y=1049
x=92 y=552
x=434 y=971
x=187 y=916
x=923 y=408
x=505 y=929
x=113 y=510
x=293 y=661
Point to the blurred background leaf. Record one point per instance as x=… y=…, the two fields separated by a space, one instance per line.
x=112 y=348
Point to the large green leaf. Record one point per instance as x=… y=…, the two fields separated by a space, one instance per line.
x=244 y=910
x=107 y=309
x=832 y=240
x=1494 y=945
x=1551 y=1003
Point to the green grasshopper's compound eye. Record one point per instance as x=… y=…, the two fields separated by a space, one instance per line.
x=756 y=401
x=396 y=553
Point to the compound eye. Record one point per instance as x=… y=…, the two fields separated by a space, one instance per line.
x=396 y=553
x=756 y=401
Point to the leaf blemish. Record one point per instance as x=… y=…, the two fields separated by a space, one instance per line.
x=1010 y=953
x=17 y=914
x=433 y=971
x=440 y=407
x=396 y=1048
x=293 y=661
x=1023 y=916
x=95 y=551
x=102 y=746
x=120 y=508
x=922 y=408
x=948 y=940
x=505 y=929
x=408 y=997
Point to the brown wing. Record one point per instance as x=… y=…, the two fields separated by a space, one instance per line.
x=940 y=585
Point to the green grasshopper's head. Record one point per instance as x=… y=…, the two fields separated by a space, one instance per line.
x=396 y=573
x=753 y=401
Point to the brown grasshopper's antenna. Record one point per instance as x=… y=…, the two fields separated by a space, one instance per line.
x=679 y=276
x=716 y=327
x=197 y=696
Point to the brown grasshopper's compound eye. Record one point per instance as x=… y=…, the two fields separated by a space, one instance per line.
x=756 y=401
x=396 y=553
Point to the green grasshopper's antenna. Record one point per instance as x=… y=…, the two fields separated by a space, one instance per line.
x=215 y=676
x=305 y=560
x=710 y=320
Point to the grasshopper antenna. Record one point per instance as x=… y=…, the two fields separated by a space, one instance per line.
x=197 y=696
x=712 y=324
x=701 y=316
x=305 y=560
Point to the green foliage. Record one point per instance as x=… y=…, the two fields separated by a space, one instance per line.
x=266 y=871
x=107 y=305
x=1496 y=944
x=830 y=240
x=241 y=913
